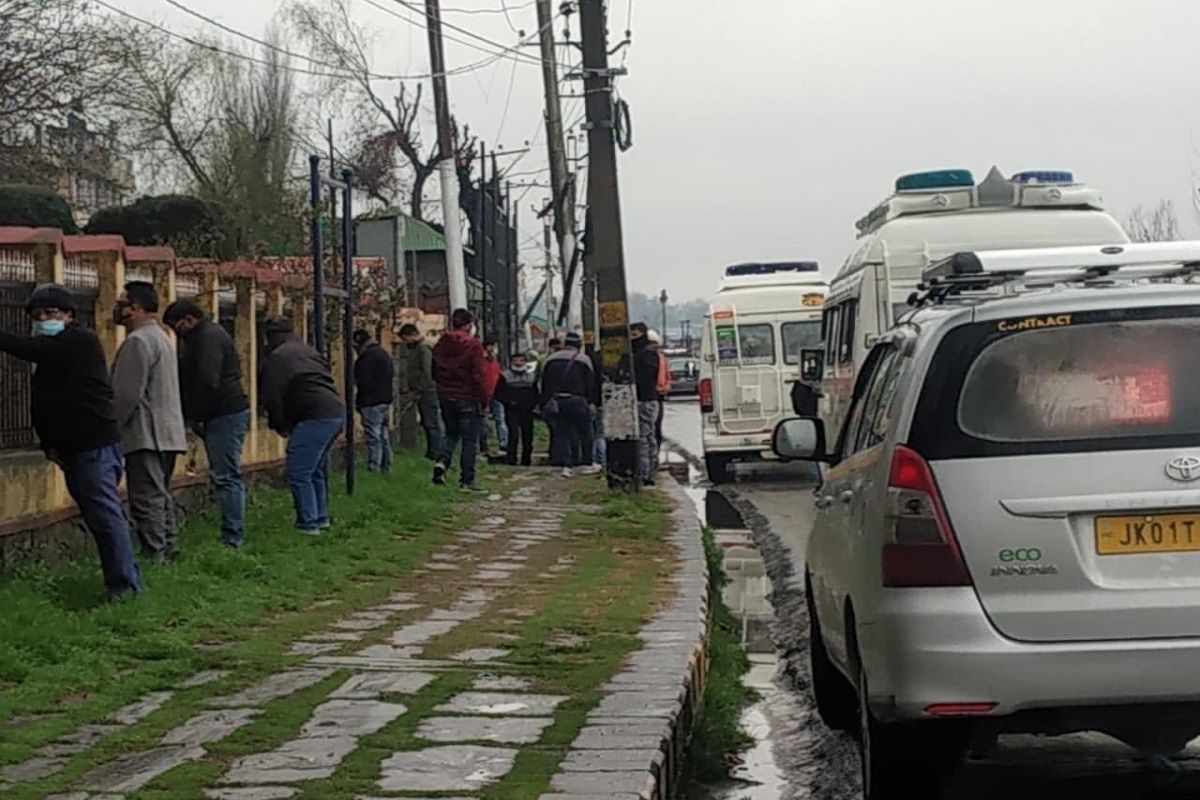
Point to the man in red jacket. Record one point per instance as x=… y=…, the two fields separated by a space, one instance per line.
x=459 y=370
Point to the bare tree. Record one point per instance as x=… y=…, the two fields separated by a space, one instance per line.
x=1157 y=224
x=390 y=156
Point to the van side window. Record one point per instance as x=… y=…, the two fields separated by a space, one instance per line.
x=863 y=416
x=829 y=324
x=846 y=341
x=877 y=406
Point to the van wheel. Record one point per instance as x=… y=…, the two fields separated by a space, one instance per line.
x=905 y=759
x=836 y=700
x=717 y=467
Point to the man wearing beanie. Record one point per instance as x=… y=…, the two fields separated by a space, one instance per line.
x=72 y=409
x=303 y=405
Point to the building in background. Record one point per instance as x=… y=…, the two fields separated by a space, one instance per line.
x=82 y=164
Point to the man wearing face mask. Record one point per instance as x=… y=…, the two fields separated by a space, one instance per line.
x=146 y=401
x=72 y=409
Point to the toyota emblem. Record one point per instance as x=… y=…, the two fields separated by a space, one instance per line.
x=1184 y=469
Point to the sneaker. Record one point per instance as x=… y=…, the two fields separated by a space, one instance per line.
x=591 y=469
x=567 y=472
x=648 y=482
x=309 y=531
x=439 y=474
x=472 y=488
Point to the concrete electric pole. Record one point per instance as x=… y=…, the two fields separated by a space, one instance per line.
x=606 y=256
x=662 y=299
x=563 y=200
x=456 y=276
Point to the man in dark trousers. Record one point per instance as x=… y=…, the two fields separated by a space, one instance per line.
x=145 y=377
x=303 y=406
x=421 y=389
x=72 y=408
x=215 y=406
x=518 y=391
x=569 y=396
x=645 y=375
x=459 y=369
x=373 y=393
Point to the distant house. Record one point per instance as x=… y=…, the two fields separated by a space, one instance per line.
x=83 y=165
x=415 y=254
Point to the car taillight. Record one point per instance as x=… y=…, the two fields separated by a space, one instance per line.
x=921 y=549
x=706 y=398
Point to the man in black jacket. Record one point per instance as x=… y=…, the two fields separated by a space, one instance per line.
x=645 y=375
x=373 y=393
x=302 y=405
x=569 y=398
x=72 y=408
x=518 y=390
x=214 y=406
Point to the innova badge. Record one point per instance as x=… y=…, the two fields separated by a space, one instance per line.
x=1184 y=469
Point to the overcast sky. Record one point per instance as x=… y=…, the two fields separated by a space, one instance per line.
x=765 y=128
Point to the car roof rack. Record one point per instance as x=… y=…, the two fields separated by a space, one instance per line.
x=1089 y=264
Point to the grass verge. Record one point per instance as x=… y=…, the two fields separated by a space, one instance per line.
x=67 y=657
x=717 y=734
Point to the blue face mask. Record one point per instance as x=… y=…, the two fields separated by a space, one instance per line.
x=49 y=327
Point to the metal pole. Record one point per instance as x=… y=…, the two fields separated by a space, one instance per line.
x=348 y=325
x=551 y=305
x=606 y=253
x=333 y=201
x=456 y=277
x=484 y=235
x=511 y=259
x=563 y=189
x=318 y=323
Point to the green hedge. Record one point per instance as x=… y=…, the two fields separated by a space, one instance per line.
x=36 y=207
x=192 y=226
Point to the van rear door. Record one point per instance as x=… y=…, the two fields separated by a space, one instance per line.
x=1067 y=451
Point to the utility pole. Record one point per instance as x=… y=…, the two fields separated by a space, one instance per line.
x=456 y=276
x=563 y=188
x=510 y=265
x=662 y=299
x=606 y=253
x=318 y=253
x=348 y=321
x=485 y=233
x=551 y=306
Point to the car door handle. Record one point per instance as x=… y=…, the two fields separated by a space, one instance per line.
x=846 y=496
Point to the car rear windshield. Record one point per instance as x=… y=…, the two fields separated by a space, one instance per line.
x=798 y=336
x=1063 y=383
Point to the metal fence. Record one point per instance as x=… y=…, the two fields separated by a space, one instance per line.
x=16 y=421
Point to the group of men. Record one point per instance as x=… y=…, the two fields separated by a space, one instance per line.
x=98 y=424
x=458 y=384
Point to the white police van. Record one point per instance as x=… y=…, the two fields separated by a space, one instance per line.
x=931 y=216
x=762 y=325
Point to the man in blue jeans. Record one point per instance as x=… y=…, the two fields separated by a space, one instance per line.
x=459 y=370
x=302 y=405
x=214 y=406
x=373 y=393
x=72 y=409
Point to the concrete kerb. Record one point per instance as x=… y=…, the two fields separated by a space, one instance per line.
x=633 y=742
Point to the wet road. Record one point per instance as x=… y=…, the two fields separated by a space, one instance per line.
x=795 y=755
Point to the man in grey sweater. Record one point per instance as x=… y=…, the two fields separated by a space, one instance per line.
x=420 y=388
x=150 y=415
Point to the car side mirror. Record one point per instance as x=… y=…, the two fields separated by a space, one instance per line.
x=800 y=439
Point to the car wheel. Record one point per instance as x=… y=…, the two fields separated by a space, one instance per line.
x=717 y=467
x=904 y=759
x=836 y=700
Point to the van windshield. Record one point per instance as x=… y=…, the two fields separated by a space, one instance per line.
x=798 y=336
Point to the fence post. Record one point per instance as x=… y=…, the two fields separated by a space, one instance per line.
x=246 y=341
x=300 y=316
x=210 y=294
x=110 y=282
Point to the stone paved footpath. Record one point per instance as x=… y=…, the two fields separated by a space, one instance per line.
x=420 y=695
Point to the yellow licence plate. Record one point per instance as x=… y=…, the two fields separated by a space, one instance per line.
x=1148 y=533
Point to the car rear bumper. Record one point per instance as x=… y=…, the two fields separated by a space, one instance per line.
x=935 y=646
x=737 y=444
